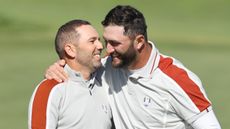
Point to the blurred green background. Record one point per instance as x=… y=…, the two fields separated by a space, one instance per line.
x=195 y=32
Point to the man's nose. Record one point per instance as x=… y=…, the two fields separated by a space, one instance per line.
x=109 y=48
x=99 y=45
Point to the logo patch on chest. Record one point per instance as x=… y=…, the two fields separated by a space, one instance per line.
x=147 y=101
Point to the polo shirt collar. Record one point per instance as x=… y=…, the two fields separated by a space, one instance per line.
x=77 y=77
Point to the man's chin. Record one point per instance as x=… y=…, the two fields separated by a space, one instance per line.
x=117 y=64
x=97 y=66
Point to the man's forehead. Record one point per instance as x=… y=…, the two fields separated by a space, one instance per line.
x=87 y=30
x=113 y=32
x=114 y=28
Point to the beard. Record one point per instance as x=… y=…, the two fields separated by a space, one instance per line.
x=89 y=61
x=125 y=59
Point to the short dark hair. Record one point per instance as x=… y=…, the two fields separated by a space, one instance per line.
x=67 y=33
x=130 y=18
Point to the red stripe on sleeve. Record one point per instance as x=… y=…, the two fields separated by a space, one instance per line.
x=181 y=77
x=40 y=104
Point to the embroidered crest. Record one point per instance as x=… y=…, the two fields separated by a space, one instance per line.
x=147 y=101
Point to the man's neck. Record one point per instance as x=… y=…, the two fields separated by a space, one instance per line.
x=142 y=57
x=84 y=71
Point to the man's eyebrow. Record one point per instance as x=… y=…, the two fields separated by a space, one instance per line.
x=94 y=38
x=110 y=40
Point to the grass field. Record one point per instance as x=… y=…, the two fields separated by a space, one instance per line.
x=195 y=32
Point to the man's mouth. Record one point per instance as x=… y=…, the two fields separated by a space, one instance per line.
x=115 y=57
x=97 y=55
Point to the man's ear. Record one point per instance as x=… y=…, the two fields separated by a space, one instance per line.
x=139 y=41
x=70 y=50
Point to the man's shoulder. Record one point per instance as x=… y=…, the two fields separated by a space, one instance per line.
x=50 y=82
x=46 y=86
x=43 y=91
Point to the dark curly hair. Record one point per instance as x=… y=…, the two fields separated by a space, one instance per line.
x=130 y=18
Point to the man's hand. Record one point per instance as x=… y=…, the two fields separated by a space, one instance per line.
x=56 y=71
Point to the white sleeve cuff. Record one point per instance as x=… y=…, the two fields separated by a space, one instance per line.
x=207 y=120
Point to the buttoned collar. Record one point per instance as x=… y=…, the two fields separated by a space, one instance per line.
x=77 y=77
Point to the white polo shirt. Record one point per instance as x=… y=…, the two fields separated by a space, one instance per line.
x=75 y=104
x=161 y=95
